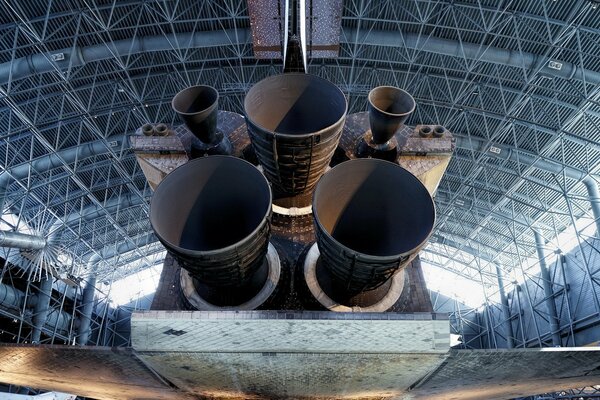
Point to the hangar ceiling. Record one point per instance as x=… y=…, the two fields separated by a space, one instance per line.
x=517 y=82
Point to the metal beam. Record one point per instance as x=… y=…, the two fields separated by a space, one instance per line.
x=53 y=160
x=472 y=51
x=463 y=202
x=505 y=310
x=42 y=307
x=461 y=247
x=90 y=287
x=548 y=291
x=79 y=56
x=93 y=211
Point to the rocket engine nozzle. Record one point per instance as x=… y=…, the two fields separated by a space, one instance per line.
x=371 y=218
x=213 y=215
x=389 y=107
x=198 y=107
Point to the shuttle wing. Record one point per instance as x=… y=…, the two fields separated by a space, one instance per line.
x=506 y=374
x=269 y=354
x=96 y=372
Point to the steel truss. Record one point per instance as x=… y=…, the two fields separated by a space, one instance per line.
x=517 y=82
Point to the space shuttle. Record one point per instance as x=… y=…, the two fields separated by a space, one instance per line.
x=293 y=235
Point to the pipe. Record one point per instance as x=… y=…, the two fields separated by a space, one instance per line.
x=295 y=122
x=438 y=131
x=14 y=299
x=18 y=240
x=40 y=311
x=161 y=130
x=60 y=320
x=218 y=227
x=594 y=195
x=425 y=131
x=148 y=130
x=93 y=211
x=509 y=153
x=78 y=56
x=371 y=218
x=505 y=310
x=10 y=297
x=389 y=107
x=198 y=106
x=50 y=161
x=112 y=251
x=548 y=292
x=41 y=164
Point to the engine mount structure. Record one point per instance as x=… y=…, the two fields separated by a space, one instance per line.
x=349 y=198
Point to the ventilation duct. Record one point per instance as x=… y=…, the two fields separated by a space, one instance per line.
x=78 y=56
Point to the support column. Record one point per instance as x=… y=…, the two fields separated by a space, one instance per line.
x=40 y=311
x=548 y=292
x=87 y=303
x=505 y=310
x=10 y=297
x=594 y=194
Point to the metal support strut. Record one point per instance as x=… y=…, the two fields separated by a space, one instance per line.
x=548 y=292
x=505 y=310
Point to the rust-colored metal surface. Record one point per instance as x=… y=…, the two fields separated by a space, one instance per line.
x=426 y=158
x=292 y=293
x=111 y=373
x=291 y=355
x=267 y=22
x=97 y=372
x=293 y=234
x=268 y=25
x=408 y=138
x=159 y=155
